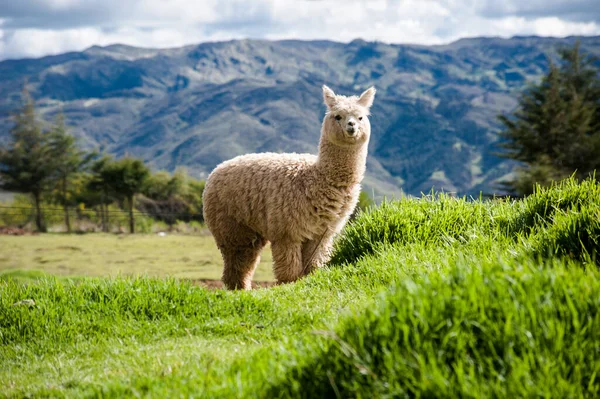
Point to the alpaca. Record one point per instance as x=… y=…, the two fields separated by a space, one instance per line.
x=298 y=202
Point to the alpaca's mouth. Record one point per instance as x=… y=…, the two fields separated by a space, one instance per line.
x=351 y=136
x=351 y=132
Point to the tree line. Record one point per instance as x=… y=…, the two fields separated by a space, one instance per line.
x=49 y=166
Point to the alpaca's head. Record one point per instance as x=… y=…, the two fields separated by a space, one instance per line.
x=347 y=120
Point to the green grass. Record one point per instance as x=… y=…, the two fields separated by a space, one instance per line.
x=500 y=328
x=436 y=297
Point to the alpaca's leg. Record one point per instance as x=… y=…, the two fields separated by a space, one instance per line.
x=287 y=261
x=316 y=253
x=240 y=247
x=239 y=265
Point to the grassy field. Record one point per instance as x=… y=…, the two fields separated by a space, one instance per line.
x=423 y=298
x=104 y=255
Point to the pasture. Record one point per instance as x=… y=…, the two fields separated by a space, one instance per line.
x=110 y=255
x=432 y=297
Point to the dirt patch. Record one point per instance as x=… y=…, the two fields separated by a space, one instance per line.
x=218 y=284
x=15 y=231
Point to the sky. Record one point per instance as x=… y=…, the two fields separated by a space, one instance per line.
x=34 y=28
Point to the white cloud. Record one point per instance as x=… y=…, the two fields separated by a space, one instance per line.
x=38 y=42
x=553 y=26
x=40 y=27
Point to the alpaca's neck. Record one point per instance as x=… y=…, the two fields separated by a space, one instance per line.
x=342 y=166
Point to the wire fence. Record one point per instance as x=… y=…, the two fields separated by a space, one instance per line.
x=79 y=219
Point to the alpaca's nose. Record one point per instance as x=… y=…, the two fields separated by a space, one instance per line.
x=350 y=128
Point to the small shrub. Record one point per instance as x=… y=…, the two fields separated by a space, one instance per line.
x=144 y=224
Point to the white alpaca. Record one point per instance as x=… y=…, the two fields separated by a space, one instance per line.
x=298 y=202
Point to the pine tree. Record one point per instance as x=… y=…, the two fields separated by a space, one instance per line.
x=27 y=164
x=70 y=163
x=555 y=132
x=581 y=81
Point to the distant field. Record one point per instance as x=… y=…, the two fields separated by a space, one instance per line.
x=182 y=257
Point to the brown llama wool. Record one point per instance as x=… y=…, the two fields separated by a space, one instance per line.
x=298 y=202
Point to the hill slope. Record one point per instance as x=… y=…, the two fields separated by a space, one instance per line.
x=433 y=118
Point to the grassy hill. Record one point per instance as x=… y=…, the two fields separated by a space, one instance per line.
x=433 y=119
x=431 y=297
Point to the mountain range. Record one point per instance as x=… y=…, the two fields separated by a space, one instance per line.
x=434 y=120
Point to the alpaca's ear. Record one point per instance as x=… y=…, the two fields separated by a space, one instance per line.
x=328 y=97
x=366 y=98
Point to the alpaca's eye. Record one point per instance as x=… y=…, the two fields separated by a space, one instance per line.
x=360 y=118
x=338 y=117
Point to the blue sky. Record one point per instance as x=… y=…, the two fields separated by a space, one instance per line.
x=33 y=28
